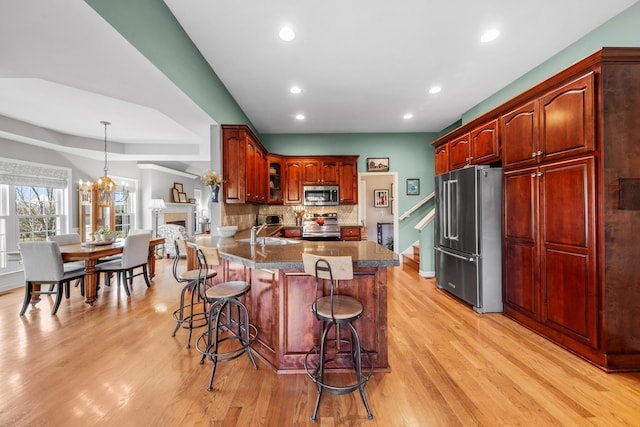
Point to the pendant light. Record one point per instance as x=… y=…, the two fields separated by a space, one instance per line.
x=105 y=185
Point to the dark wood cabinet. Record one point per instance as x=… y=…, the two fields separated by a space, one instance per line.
x=292 y=232
x=459 y=152
x=293 y=182
x=276 y=179
x=244 y=166
x=549 y=268
x=350 y=233
x=484 y=145
x=557 y=125
x=320 y=171
x=348 y=180
x=442 y=159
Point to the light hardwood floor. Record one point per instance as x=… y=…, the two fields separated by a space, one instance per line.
x=116 y=364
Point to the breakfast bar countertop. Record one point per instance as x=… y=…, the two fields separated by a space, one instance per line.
x=289 y=256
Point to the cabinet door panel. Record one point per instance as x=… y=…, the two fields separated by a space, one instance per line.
x=234 y=166
x=567 y=293
x=459 y=152
x=519 y=277
x=293 y=177
x=568 y=264
x=442 y=159
x=520 y=204
x=484 y=144
x=329 y=172
x=348 y=182
x=567 y=124
x=311 y=172
x=564 y=195
x=519 y=130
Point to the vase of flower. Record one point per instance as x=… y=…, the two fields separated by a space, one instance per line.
x=214 y=194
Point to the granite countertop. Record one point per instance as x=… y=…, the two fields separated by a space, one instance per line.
x=364 y=254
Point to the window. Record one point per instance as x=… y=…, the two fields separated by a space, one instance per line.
x=34 y=204
x=124 y=205
x=39 y=212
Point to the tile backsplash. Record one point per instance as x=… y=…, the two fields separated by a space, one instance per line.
x=244 y=215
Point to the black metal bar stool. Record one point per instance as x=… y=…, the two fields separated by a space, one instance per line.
x=332 y=311
x=197 y=308
x=223 y=326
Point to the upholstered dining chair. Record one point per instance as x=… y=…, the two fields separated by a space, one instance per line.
x=134 y=255
x=171 y=233
x=70 y=239
x=43 y=265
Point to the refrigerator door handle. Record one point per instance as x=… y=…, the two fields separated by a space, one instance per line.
x=452 y=209
x=470 y=259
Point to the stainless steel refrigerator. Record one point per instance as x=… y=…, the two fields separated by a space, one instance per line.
x=468 y=236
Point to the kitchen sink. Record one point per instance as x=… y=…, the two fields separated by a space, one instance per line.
x=270 y=241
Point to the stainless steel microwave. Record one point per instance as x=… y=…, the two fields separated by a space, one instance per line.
x=320 y=195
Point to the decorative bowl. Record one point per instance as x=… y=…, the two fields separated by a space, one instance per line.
x=106 y=237
x=227 y=231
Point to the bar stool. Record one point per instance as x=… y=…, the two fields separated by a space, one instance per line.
x=197 y=317
x=335 y=310
x=223 y=296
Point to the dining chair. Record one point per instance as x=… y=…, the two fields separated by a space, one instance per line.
x=43 y=265
x=70 y=239
x=134 y=255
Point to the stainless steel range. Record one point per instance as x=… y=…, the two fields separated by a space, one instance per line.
x=321 y=226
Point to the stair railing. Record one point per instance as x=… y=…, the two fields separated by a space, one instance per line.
x=415 y=207
x=426 y=220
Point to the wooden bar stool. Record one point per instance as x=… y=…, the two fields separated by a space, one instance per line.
x=223 y=326
x=332 y=311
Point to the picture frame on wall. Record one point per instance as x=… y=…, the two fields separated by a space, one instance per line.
x=413 y=187
x=377 y=164
x=381 y=198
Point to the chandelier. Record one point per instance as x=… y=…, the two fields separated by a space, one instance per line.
x=104 y=185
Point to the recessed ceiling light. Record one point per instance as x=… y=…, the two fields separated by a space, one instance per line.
x=287 y=34
x=299 y=116
x=490 y=35
x=435 y=89
x=295 y=89
x=407 y=116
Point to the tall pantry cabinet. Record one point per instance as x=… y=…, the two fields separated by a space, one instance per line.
x=571 y=161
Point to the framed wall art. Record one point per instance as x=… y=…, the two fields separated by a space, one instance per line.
x=178 y=186
x=175 y=195
x=381 y=198
x=377 y=164
x=413 y=187
x=183 y=197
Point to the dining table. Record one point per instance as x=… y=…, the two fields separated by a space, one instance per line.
x=91 y=252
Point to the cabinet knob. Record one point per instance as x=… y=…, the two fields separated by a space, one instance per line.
x=539 y=153
x=533 y=155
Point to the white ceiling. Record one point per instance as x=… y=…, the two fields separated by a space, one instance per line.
x=361 y=64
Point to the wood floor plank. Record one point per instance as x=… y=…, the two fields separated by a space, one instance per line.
x=116 y=364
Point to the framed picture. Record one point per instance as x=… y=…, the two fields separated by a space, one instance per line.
x=381 y=198
x=178 y=186
x=175 y=195
x=183 y=197
x=413 y=186
x=377 y=164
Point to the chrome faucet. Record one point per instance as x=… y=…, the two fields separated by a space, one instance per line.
x=255 y=230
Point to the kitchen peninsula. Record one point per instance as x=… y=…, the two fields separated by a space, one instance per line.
x=281 y=295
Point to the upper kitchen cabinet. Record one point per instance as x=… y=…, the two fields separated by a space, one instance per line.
x=484 y=144
x=474 y=144
x=348 y=186
x=244 y=166
x=293 y=181
x=276 y=179
x=556 y=125
x=319 y=171
x=459 y=152
x=442 y=159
